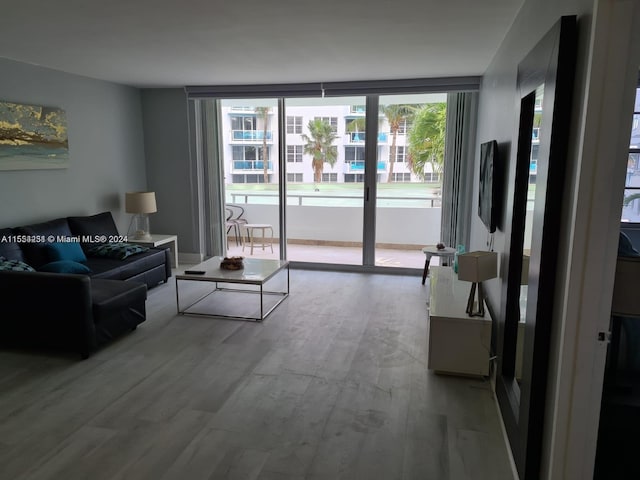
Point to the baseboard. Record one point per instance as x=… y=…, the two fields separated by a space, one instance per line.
x=190 y=258
x=503 y=429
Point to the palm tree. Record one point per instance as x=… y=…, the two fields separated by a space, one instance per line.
x=426 y=138
x=396 y=114
x=357 y=125
x=319 y=144
x=263 y=112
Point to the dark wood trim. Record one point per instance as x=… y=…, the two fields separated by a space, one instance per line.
x=551 y=63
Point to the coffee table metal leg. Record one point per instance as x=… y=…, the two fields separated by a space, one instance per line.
x=261 y=303
x=177 y=297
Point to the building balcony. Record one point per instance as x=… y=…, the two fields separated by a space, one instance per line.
x=358 y=166
x=535 y=134
x=251 y=165
x=358 y=138
x=250 y=136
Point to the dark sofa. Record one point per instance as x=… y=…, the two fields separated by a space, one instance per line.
x=71 y=311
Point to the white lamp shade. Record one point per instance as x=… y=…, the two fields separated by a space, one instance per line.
x=140 y=202
x=477 y=266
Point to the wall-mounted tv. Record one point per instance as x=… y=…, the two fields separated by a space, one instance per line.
x=488 y=198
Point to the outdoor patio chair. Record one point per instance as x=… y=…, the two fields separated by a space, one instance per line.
x=235 y=221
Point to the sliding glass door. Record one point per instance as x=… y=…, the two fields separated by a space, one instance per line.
x=339 y=179
x=325 y=166
x=411 y=139
x=249 y=147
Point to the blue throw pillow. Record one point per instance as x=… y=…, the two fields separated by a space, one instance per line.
x=65 y=251
x=65 y=266
x=14 y=265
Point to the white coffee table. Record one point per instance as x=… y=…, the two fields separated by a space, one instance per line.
x=256 y=271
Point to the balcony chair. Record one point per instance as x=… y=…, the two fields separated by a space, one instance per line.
x=235 y=221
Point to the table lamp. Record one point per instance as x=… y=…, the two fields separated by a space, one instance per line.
x=476 y=267
x=141 y=204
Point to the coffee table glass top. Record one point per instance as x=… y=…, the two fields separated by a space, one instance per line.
x=256 y=271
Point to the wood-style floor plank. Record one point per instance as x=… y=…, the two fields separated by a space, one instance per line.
x=332 y=385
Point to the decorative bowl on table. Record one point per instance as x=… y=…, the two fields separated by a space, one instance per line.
x=440 y=246
x=232 y=263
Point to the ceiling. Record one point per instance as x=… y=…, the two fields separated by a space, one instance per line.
x=163 y=43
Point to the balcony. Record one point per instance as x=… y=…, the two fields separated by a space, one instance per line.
x=359 y=138
x=250 y=136
x=250 y=165
x=358 y=166
x=404 y=226
x=535 y=135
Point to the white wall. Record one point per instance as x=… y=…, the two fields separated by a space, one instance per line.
x=105 y=147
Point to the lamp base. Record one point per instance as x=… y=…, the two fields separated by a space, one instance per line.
x=141 y=235
x=141 y=227
x=471 y=301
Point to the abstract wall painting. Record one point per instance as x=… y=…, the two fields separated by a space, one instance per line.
x=32 y=137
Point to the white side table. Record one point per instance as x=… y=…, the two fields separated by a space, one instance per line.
x=250 y=227
x=432 y=251
x=156 y=240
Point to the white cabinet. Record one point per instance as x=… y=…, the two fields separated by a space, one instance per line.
x=458 y=344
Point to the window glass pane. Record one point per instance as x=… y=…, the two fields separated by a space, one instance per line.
x=631 y=205
x=633 y=170
x=635 y=132
x=325 y=195
x=411 y=134
x=249 y=146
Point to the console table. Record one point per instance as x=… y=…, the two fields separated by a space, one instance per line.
x=458 y=344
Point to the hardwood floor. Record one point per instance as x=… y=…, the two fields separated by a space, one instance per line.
x=333 y=385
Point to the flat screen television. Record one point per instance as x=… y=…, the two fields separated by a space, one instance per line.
x=488 y=198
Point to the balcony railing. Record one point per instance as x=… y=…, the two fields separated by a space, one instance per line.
x=360 y=137
x=301 y=199
x=250 y=135
x=250 y=165
x=358 y=166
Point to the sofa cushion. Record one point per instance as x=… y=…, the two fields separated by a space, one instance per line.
x=91 y=226
x=65 y=251
x=102 y=267
x=100 y=224
x=118 y=251
x=65 y=266
x=8 y=248
x=35 y=253
x=14 y=265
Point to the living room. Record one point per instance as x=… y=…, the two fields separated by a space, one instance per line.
x=124 y=138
